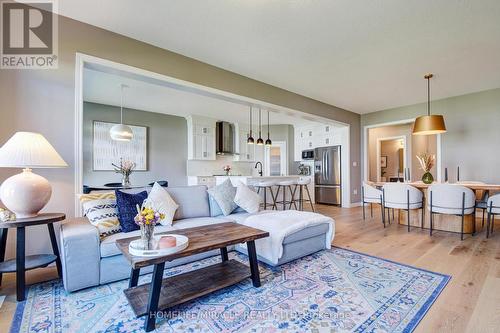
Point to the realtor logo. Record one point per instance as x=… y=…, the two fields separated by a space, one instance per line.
x=29 y=34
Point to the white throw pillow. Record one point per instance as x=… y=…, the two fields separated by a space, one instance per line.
x=247 y=199
x=161 y=201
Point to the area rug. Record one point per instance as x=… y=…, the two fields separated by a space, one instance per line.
x=334 y=290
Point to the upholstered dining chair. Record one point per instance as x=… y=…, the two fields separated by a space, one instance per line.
x=451 y=199
x=372 y=195
x=404 y=197
x=481 y=198
x=493 y=209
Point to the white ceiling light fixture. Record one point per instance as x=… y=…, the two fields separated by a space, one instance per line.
x=121 y=132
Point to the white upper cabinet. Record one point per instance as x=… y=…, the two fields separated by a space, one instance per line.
x=310 y=137
x=201 y=138
x=244 y=151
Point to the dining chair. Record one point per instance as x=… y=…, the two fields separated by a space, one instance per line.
x=481 y=198
x=493 y=209
x=451 y=199
x=403 y=197
x=372 y=195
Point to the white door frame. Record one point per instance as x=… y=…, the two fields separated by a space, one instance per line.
x=366 y=164
x=379 y=152
x=283 y=158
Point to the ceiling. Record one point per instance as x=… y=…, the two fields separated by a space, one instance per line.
x=360 y=55
x=104 y=88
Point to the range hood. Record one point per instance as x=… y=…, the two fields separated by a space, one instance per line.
x=224 y=138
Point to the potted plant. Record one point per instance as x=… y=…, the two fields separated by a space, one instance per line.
x=427 y=162
x=125 y=169
x=147 y=219
x=227 y=169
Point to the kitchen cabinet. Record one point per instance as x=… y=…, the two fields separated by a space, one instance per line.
x=201 y=138
x=244 y=151
x=310 y=137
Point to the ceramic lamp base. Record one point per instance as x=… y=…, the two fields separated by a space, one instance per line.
x=25 y=194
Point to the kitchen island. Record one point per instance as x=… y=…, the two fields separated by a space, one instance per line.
x=253 y=180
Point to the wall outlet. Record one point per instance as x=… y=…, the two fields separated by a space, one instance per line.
x=355 y=192
x=354 y=164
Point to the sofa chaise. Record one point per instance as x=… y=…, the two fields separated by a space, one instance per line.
x=89 y=261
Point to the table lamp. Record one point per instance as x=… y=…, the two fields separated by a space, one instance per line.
x=25 y=194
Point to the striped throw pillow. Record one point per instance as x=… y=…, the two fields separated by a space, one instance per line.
x=102 y=212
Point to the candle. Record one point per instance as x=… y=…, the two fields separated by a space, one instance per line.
x=458 y=174
x=446 y=175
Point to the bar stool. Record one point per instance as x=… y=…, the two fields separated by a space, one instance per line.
x=300 y=185
x=267 y=186
x=452 y=199
x=405 y=197
x=372 y=195
x=493 y=209
x=286 y=185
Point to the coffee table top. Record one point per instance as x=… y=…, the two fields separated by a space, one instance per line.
x=201 y=239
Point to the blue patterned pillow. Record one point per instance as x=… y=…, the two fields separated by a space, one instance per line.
x=127 y=209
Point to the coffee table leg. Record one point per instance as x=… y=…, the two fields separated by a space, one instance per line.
x=3 y=243
x=223 y=254
x=254 y=265
x=55 y=249
x=154 y=297
x=20 y=268
x=134 y=277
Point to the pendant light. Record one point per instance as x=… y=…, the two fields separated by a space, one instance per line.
x=250 y=139
x=121 y=132
x=429 y=124
x=260 y=142
x=268 y=141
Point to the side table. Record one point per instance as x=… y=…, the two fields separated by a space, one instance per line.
x=22 y=263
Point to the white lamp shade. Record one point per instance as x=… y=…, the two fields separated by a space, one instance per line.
x=121 y=132
x=29 y=150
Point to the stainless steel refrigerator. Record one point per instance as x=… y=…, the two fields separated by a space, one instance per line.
x=327 y=175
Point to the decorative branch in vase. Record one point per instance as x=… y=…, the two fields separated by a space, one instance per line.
x=227 y=169
x=147 y=219
x=125 y=169
x=427 y=162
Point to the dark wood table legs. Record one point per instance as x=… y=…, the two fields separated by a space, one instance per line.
x=254 y=265
x=223 y=254
x=134 y=277
x=154 y=297
x=55 y=249
x=20 y=261
x=3 y=244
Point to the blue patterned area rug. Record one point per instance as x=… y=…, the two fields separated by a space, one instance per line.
x=331 y=291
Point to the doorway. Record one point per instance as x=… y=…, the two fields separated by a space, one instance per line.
x=391 y=159
x=275 y=159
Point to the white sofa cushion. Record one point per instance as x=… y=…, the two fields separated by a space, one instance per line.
x=200 y=221
x=247 y=199
x=162 y=202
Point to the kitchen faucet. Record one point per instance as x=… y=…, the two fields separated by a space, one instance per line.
x=256 y=164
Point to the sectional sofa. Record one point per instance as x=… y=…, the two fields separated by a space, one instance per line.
x=89 y=261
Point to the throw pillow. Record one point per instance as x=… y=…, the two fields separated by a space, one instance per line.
x=161 y=201
x=224 y=196
x=127 y=208
x=215 y=209
x=247 y=199
x=101 y=210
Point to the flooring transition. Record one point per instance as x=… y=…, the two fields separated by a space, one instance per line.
x=469 y=303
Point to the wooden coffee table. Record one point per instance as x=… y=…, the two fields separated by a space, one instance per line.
x=162 y=294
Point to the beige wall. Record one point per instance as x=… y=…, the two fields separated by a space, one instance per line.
x=43 y=101
x=390 y=148
x=472 y=139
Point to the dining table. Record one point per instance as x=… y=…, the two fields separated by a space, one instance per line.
x=449 y=223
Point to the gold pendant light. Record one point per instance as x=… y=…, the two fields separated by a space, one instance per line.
x=429 y=124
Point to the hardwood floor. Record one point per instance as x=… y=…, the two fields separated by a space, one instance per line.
x=470 y=302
